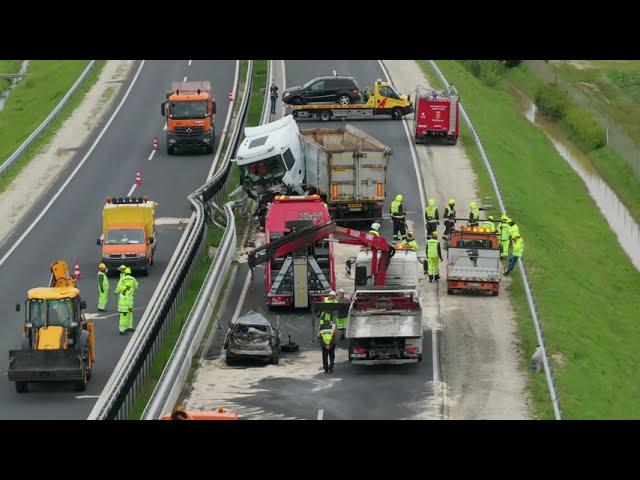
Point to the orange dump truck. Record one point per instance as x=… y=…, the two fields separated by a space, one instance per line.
x=128 y=233
x=190 y=110
x=473 y=260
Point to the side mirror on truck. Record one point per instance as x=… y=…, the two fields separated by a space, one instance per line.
x=162 y=107
x=83 y=304
x=17 y=307
x=98 y=241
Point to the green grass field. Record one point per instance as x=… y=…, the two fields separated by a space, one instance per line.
x=586 y=289
x=609 y=165
x=22 y=126
x=8 y=66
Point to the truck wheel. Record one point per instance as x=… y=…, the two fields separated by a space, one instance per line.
x=209 y=148
x=145 y=271
x=81 y=385
x=22 y=387
x=495 y=294
x=230 y=359
x=396 y=114
x=451 y=140
x=170 y=150
x=449 y=291
x=420 y=357
x=275 y=359
x=325 y=115
x=344 y=99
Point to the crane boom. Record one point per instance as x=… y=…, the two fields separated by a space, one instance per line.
x=306 y=236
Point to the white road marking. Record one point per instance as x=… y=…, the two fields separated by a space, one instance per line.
x=153 y=152
x=284 y=86
x=170 y=221
x=184 y=79
x=73 y=173
x=334 y=73
x=245 y=287
x=132 y=189
x=190 y=62
x=82 y=397
x=321 y=411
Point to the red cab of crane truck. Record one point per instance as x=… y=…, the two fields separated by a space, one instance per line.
x=436 y=115
x=284 y=209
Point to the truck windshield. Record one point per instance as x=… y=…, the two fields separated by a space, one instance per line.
x=124 y=236
x=196 y=109
x=59 y=313
x=388 y=92
x=268 y=169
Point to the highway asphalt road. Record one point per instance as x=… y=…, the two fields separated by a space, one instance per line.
x=351 y=392
x=70 y=227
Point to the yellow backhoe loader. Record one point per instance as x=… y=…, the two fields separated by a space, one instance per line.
x=58 y=343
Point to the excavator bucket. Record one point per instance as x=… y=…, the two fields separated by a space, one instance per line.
x=45 y=365
x=60 y=275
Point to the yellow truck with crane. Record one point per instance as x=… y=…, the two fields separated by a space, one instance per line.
x=383 y=101
x=58 y=343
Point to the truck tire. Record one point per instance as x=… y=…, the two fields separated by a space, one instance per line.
x=22 y=387
x=495 y=294
x=230 y=358
x=449 y=291
x=209 y=148
x=145 y=271
x=396 y=114
x=451 y=140
x=170 y=150
x=344 y=99
x=275 y=359
x=324 y=115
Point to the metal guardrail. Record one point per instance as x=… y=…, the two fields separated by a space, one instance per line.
x=24 y=147
x=123 y=387
x=532 y=304
x=177 y=368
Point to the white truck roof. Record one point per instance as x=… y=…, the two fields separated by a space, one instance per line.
x=267 y=140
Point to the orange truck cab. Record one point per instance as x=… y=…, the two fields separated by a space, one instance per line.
x=190 y=110
x=128 y=233
x=473 y=260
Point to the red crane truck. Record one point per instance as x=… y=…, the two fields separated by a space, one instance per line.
x=436 y=115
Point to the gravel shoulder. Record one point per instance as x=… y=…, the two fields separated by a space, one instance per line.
x=480 y=351
x=41 y=172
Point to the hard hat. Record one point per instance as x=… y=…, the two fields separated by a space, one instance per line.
x=122 y=268
x=434 y=234
x=399 y=197
x=472 y=205
x=490 y=217
x=102 y=266
x=341 y=291
x=432 y=201
x=375 y=226
x=127 y=271
x=410 y=234
x=504 y=217
x=332 y=293
x=452 y=201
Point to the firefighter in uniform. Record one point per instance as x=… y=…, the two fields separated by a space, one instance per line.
x=124 y=302
x=474 y=215
x=488 y=223
x=433 y=253
x=450 y=217
x=431 y=217
x=328 y=316
x=505 y=237
x=398 y=216
x=103 y=288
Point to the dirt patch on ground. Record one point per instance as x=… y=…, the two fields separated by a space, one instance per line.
x=34 y=180
x=480 y=350
x=590 y=86
x=581 y=64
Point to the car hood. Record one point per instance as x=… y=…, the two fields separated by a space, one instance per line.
x=129 y=248
x=293 y=89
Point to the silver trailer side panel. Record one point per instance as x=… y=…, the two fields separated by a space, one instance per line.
x=470 y=264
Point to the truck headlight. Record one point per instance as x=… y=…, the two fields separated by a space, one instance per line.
x=172 y=140
x=206 y=139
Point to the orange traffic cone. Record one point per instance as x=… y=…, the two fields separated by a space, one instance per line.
x=230 y=96
x=138 y=178
x=155 y=143
x=76 y=271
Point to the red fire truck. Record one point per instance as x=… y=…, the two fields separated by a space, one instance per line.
x=436 y=115
x=307 y=274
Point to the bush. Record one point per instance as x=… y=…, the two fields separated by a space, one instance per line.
x=512 y=63
x=489 y=71
x=552 y=101
x=586 y=128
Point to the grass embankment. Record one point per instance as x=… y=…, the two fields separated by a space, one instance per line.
x=606 y=161
x=8 y=66
x=33 y=99
x=586 y=288
x=214 y=235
